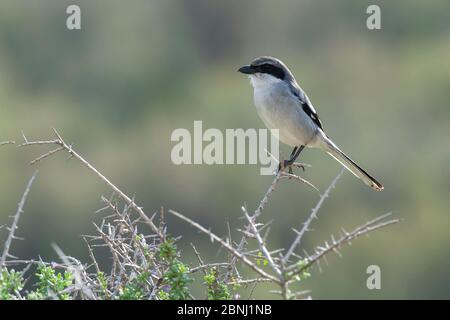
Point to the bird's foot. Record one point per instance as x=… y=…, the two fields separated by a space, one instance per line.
x=286 y=164
x=299 y=165
x=289 y=164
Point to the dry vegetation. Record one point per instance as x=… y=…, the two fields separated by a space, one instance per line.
x=146 y=263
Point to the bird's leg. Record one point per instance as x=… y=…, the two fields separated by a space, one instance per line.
x=295 y=156
x=292 y=157
x=283 y=163
x=293 y=152
x=288 y=163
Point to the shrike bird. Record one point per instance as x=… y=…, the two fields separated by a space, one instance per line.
x=283 y=105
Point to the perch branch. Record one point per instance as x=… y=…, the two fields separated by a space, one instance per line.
x=346 y=238
x=226 y=245
x=262 y=246
x=246 y=232
x=312 y=216
x=64 y=146
x=13 y=228
x=2 y=143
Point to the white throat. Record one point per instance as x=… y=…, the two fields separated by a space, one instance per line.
x=262 y=81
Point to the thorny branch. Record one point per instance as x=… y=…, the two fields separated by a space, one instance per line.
x=285 y=271
x=68 y=148
x=346 y=238
x=135 y=255
x=312 y=216
x=2 y=143
x=226 y=245
x=13 y=227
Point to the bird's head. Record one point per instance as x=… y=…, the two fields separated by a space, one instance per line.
x=266 y=70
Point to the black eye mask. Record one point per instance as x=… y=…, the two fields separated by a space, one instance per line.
x=275 y=71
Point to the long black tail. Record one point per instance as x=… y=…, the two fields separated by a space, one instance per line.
x=351 y=165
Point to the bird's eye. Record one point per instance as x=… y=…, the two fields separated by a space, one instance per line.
x=275 y=71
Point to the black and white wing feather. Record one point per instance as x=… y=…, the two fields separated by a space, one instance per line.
x=306 y=104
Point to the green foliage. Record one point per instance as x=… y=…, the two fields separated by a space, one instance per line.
x=177 y=278
x=101 y=278
x=168 y=250
x=135 y=289
x=299 y=276
x=305 y=273
x=261 y=259
x=51 y=284
x=177 y=275
x=11 y=283
x=216 y=290
x=162 y=295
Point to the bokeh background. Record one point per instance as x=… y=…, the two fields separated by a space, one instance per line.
x=140 y=69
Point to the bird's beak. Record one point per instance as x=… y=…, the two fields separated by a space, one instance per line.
x=246 y=70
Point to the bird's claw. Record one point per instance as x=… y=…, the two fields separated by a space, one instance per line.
x=286 y=164
x=299 y=165
x=289 y=164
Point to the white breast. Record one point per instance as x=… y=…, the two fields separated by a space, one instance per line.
x=279 y=109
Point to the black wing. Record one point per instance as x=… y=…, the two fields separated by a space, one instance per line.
x=307 y=106
x=312 y=114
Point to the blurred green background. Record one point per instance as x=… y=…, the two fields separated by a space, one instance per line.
x=140 y=69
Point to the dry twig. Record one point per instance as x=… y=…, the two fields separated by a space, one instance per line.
x=135 y=255
x=13 y=227
x=3 y=143
x=226 y=245
x=68 y=148
x=312 y=216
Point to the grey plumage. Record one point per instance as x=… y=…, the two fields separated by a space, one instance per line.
x=282 y=104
